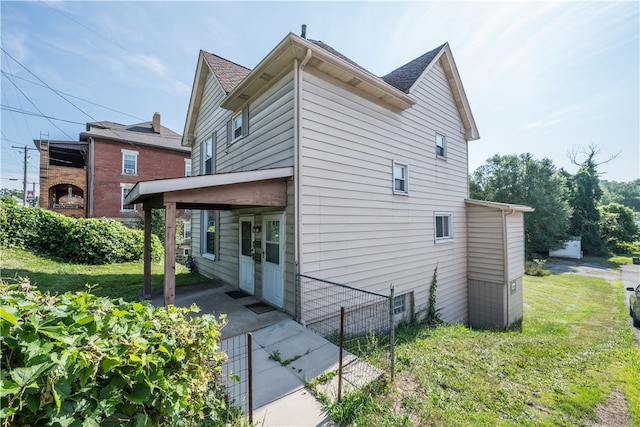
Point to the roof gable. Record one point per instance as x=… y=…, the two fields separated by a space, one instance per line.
x=228 y=73
x=240 y=83
x=404 y=78
x=409 y=75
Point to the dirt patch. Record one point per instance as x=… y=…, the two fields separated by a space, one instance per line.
x=613 y=412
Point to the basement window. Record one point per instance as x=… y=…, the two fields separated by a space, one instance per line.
x=400 y=304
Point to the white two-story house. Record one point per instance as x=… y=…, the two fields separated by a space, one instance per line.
x=311 y=164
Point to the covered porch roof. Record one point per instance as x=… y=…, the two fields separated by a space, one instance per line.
x=225 y=191
x=219 y=191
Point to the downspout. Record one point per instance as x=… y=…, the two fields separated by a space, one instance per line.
x=505 y=251
x=297 y=100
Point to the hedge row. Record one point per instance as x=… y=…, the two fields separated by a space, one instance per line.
x=77 y=240
x=80 y=360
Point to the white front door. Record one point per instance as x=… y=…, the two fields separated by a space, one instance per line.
x=273 y=265
x=246 y=274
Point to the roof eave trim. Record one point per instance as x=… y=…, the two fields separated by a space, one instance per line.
x=498 y=205
x=145 y=189
x=297 y=47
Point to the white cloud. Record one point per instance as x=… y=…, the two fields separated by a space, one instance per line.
x=556 y=117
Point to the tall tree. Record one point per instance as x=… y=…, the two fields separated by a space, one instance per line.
x=625 y=193
x=527 y=181
x=584 y=198
x=618 y=226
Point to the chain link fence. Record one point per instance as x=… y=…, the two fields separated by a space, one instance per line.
x=364 y=331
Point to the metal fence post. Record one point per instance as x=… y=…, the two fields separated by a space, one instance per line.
x=250 y=375
x=340 y=357
x=392 y=333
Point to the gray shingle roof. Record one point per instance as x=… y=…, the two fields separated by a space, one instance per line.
x=228 y=73
x=138 y=133
x=338 y=54
x=404 y=77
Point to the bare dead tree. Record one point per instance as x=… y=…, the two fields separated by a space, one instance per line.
x=590 y=152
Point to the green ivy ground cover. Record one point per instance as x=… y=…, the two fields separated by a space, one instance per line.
x=75 y=359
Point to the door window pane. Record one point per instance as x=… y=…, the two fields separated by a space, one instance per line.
x=272 y=244
x=246 y=238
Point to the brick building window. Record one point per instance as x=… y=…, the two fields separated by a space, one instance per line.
x=124 y=191
x=129 y=162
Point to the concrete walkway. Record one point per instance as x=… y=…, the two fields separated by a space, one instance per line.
x=280 y=397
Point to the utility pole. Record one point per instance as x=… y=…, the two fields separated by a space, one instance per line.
x=24 y=182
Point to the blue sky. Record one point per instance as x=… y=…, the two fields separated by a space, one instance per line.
x=541 y=77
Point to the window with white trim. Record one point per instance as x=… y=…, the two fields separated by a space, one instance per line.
x=209 y=233
x=238 y=126
x=186 y=230
x=400 y=304
x=129 y=162
x=206 y=151
x=444 y=226
x=441 y=145
x=187 y=167
x=124 y=191
x=400 y=178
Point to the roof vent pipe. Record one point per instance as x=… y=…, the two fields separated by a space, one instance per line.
x=304 y=31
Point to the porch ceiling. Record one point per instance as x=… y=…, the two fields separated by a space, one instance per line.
x=224 y=191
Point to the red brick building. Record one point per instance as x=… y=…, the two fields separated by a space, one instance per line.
x=91 y=177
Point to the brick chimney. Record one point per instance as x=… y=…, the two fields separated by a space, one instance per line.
x=156 y=123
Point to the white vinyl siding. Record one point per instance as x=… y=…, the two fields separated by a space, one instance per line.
x=486 y=254
x=515 y=245
x=268 y=144
x=354 y=230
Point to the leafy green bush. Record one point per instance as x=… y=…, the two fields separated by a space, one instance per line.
x=79 y=240
x=536 y=268
x=77 y=359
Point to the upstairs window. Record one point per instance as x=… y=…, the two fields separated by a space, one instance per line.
x=444 y=226
x=129 y=162
x=238 y=126
x=400 y=178
x=441 y=145
x=207 y=153
x=187 y=167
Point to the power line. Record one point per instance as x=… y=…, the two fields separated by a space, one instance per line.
x=30 y=113
x=48 y=87
x=78 y=98
x=34 y=105
x=19 y=103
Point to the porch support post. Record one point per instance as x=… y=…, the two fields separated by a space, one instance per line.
x=147 y=254
x=170 y=254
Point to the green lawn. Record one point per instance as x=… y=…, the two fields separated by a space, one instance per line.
x=113 y=280
x=575 y=351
